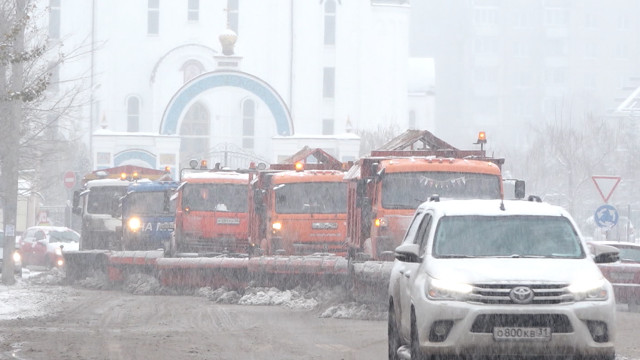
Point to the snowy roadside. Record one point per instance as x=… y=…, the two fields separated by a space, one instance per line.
x=32 y=295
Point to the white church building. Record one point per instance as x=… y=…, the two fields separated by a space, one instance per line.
x=234 y=81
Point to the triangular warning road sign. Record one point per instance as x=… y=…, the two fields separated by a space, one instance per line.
x=606 y=185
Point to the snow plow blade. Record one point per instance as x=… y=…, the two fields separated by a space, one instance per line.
x=367 y=281
x=370 y=281
x=82 y=264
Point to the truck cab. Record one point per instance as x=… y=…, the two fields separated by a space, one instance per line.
x=211 y=215
x=386 y=187
x=95 y=202
x=148 y=215
x=300 y=212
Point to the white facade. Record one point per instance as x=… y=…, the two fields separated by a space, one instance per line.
x=139 y=74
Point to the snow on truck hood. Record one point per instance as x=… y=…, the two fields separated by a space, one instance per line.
x=511 y=270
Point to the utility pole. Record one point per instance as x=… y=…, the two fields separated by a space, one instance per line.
x=11 y=139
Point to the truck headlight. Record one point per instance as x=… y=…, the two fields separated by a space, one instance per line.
x=58 y=251
x=134 y=224
x=436 y=289
x=589 y=290
x=17 y=258
x=277 y=226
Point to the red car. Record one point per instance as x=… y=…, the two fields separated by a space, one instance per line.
x=43 y=245
x=624 y=275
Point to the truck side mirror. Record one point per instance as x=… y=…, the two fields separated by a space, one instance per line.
x=75 y=205
x=519 y=190
x=116 y=208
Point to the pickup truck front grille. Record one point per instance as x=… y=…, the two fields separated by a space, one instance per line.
x=500 y=294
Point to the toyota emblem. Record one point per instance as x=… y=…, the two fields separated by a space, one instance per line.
x=521 y=295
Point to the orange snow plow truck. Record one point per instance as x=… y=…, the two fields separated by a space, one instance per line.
x=385 y=188
x=211 y=213
x=299 y=207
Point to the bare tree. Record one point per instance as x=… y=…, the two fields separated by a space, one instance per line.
x=564 y=156
x=30 y=116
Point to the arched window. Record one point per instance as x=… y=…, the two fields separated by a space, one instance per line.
x=330 y=22
x=191 y=69
x=248 y=123
x=194 y=133
x=133 y=114
x=233 y=14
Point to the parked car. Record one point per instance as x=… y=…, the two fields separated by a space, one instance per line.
x=624 y=275
x=17 y=259
x=43 y=245
x=491 y=277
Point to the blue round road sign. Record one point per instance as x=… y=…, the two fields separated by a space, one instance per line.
x=606 y=216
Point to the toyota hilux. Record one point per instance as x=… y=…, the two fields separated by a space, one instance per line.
x=492 y=277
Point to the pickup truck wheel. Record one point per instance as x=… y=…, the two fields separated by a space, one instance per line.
x=416 y=354
x=392 y=333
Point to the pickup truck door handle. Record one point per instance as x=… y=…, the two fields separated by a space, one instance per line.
x=406 y=274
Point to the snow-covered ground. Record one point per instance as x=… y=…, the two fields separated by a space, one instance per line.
x=38 y=291
x=32 y=295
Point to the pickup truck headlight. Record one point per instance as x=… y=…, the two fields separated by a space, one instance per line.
x=437 y=289
x=58 y=251
x=589 y=290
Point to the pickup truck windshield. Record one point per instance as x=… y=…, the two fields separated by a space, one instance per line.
x=407 y=190
x=149 y=203
x=216 y=197
x=506 y=236
x=312 y=197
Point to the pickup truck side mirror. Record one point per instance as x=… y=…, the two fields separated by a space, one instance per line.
x=408 y=253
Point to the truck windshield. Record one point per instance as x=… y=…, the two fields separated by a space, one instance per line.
x=216 y=197
x=311 y=197
x=101 y=199
x=152 y=202
x=506 y=236
x=407 y=190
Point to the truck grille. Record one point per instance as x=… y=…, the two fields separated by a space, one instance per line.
x=556 y=322
x=542 y=293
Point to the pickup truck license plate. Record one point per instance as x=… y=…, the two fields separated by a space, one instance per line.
x=522 y=333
